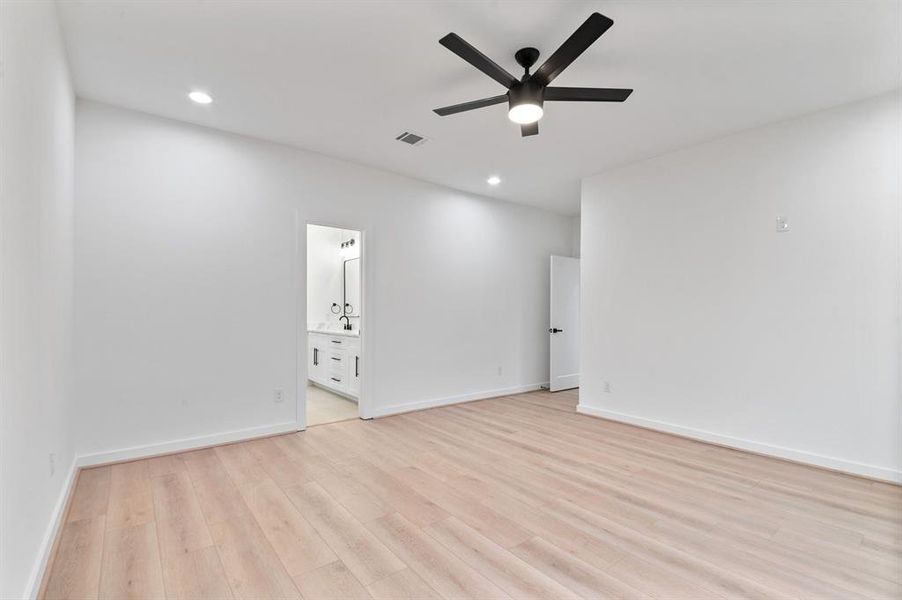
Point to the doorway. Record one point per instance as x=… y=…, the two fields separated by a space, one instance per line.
x=563 y=327
x=334 y=324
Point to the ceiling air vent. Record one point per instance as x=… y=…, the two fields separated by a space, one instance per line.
x=413 y=139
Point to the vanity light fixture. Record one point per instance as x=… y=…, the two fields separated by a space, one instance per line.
x=493 y=180
x=200 y=97
x=347 y=248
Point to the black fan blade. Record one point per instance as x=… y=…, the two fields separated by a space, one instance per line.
x=458 y=46
x=529 y=129
x=456 y=108
x=575 y=45
x=570 y=94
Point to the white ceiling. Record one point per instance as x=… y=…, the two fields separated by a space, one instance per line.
x=344 y=78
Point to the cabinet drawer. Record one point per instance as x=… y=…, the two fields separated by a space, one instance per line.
x=324 y=340
x=337 y=361
x=337 y=381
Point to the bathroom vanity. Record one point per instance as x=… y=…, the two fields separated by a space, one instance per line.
x=333 y=361
x=334 y=310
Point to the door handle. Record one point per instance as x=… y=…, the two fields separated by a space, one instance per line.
x=555 y=330
x=315 y=357
x=356 y=366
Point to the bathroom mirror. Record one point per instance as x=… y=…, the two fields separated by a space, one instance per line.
x=351 y=283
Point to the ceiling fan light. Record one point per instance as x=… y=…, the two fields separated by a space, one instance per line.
x=526 y=113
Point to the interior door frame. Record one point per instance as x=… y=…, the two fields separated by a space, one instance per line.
x=364 y=405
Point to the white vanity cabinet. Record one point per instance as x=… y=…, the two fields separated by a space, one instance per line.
x=333 y=362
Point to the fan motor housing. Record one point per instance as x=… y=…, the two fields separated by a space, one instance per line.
x=527 y=92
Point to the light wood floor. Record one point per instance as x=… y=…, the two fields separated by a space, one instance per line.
x=514 y=497
x=325 y=407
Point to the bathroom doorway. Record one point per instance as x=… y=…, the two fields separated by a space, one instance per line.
x=334 y=324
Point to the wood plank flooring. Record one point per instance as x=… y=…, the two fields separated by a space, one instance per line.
x=515 y=497
x=325 y=407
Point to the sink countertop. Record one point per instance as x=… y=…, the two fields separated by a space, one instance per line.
x=355 y=333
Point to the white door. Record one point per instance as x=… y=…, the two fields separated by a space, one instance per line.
x=563 y=328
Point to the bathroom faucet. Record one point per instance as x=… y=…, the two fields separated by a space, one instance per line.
x=347 y=325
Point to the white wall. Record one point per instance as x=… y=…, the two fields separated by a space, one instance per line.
x=574 y=237
x=36 y=117
x=189 y=286
x=707 y=322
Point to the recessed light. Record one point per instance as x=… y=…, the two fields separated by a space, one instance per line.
x=200 y=97
x=493 y=180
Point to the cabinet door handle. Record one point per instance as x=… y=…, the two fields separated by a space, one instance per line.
x=356 y=366
x=336 y=341
x=335 y=380
x=336 y=358
x=315 y=357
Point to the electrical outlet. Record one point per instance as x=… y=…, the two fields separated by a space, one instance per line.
x=278 y=395
x=52 y=464
x=782 y=225
x=608 y=389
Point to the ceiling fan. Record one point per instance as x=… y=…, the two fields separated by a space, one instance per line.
x=526 y=96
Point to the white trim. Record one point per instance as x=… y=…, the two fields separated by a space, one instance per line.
x=397 y=409
x=193 y=443
x=801 y=456
x=300 y=318
x=51 y=533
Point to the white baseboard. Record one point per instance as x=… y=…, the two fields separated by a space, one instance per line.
x=801 y=456
x=50 y=534
x=397 y=409
x=193 y=443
